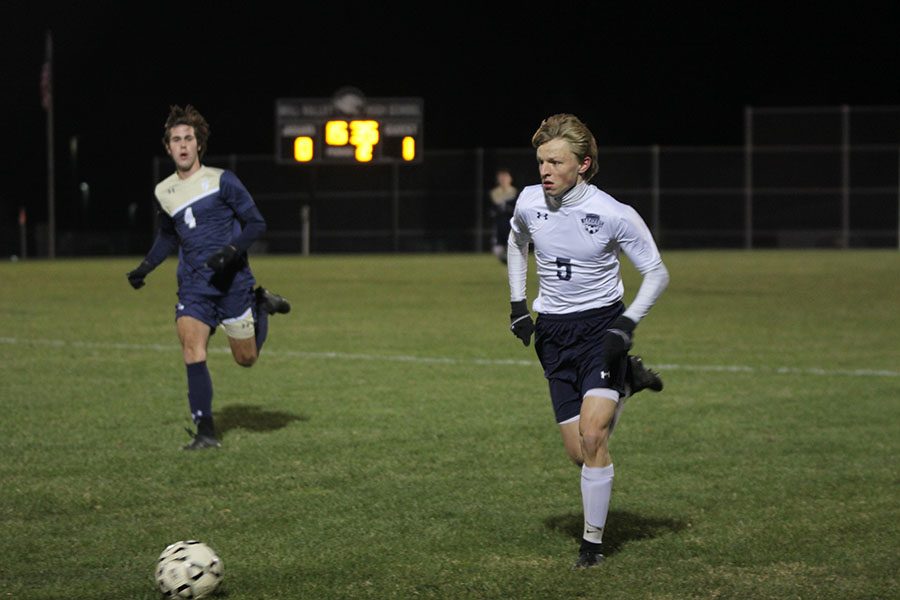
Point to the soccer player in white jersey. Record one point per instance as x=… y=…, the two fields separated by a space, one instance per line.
x=583 y=330
x=210 y=217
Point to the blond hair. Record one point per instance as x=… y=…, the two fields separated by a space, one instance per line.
x=568 y=127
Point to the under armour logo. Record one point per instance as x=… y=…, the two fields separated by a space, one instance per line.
x=170 y=190
x=543 y=215
x=605 y=374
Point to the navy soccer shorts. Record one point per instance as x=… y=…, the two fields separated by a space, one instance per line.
x=570 y=348
x=212 y=310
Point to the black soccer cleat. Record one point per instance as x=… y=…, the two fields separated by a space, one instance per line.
x=587 y=559
x=272 y=303
x=640 y=377
x=201 y=442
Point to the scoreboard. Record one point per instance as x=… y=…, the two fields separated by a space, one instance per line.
x=348 y=129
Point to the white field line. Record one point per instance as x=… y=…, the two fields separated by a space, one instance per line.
x=437 y=360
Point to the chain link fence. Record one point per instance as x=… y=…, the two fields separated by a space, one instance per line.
x=825 y=177
x=806 y=177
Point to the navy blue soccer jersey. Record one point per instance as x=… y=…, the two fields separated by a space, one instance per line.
x=202 y=214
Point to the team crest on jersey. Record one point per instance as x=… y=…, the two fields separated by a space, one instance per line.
x=592 y=223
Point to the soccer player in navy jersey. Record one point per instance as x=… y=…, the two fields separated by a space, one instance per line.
x=583 y=331
x=210 y=217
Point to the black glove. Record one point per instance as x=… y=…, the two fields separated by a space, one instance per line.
x=520 y=321
x=136 y=277
x=618 y=339
x=223 y=259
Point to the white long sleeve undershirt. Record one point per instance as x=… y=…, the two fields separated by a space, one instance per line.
x=652 y=286
x=517 y=266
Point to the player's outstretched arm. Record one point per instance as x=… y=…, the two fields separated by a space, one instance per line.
x=136 y=276
x=164 y=243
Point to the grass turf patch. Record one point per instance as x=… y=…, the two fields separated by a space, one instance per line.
x=396 y=441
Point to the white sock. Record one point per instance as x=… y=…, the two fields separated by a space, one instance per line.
x=596 y=489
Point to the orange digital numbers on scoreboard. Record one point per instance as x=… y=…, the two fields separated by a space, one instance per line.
x=364 y=136
x=408 y=148
x=349 y=129
x=303 y=148
x=336 y=133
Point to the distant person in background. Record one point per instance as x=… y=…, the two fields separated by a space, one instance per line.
x=210 y=217
x=503 y=201
x=583 y=330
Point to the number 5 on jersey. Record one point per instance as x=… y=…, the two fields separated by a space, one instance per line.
x=564 y=268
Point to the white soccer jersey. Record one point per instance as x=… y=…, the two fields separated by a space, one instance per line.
x=576 y=248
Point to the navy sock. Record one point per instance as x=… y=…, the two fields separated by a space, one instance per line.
x=261 y=327
x=200 y=395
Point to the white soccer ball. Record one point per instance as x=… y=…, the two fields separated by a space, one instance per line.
x=188 y=569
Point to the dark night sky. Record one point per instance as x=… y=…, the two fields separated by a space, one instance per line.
x=488 y=72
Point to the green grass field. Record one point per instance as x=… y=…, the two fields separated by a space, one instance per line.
x=396 y=441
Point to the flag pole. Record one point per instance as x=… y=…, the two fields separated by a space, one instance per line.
x=23 y=235
x=47 y=100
